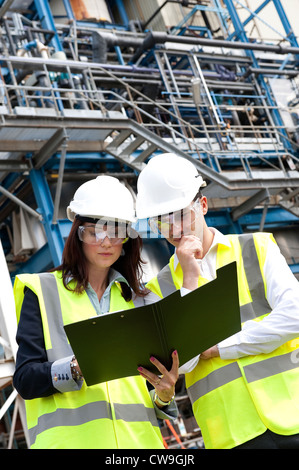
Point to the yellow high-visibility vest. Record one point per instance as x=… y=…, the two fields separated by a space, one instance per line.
x=236 y=400
x=114 y=415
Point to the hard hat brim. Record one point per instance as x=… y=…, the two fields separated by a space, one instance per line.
x=72 y=215
x=167 y=207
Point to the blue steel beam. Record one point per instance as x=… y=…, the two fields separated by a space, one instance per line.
x=290 y=36
x=47 y=21
x=39 y=262
x=287 y=26
x=43 y=259
x=294 y=268
x=285 y=23
x=45 y=206
x=68 y=9
x=237 y=23
x=241 y=34
x=256 y=12
x=122 y=11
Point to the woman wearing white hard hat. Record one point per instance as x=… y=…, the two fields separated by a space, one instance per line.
x=100 y=272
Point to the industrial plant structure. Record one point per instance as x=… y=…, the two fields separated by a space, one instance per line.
x=99 y=87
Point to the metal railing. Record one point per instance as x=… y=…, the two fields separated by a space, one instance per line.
x=84 y=88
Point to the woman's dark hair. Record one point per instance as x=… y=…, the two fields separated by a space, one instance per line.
x=129 y=265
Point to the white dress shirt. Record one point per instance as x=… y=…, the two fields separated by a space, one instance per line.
x=282 y=294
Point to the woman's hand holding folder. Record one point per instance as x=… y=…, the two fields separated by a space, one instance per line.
x=164 y=383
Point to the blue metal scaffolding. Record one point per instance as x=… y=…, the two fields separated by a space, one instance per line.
x=164 y=88
x=83 y=95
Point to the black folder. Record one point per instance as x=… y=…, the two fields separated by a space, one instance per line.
x=113 y=345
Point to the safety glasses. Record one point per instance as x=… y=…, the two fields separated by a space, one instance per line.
x=96 y=234
x=177 y=223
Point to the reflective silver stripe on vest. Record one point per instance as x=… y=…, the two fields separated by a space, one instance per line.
x=61 y=348
x=60 y=345
x=138 y=301
x=257 y=371
x=70 y=417
x=259 y=305
x=90 y=412
x=271 y=366
x=165 y=281
x=135 y=412
x=215 y=379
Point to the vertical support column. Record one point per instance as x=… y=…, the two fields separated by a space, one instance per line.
x=122 y=12
x=286 y=25
x=47 y=21
x=44 y=201
x=240 y=34
x=69 y=10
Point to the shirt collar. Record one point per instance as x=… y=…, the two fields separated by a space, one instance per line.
x=113 y=276
x=218 y=239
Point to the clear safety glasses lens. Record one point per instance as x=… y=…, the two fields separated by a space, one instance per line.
x=96 y=234
x=177 y=223
x=179 y=220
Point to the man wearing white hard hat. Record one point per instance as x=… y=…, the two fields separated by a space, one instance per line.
x=100 y=273
x=245 y=390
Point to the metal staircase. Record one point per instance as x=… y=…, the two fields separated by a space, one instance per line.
x=134 y=142
x=64 y=119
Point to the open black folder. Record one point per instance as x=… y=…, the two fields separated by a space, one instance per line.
x=113 y=345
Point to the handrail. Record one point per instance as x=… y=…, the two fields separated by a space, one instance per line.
x=48 y=93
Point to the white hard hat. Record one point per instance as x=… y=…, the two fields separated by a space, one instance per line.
x=168 y=183
x=103 y=196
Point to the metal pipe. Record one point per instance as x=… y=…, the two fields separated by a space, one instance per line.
x=59 y=182
x=9 y=36
x=27 y=63
x=154 y=38
x=20 y=203
x=5 y=7
x=117 y=40
x=264 y=71
x=67 y=177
